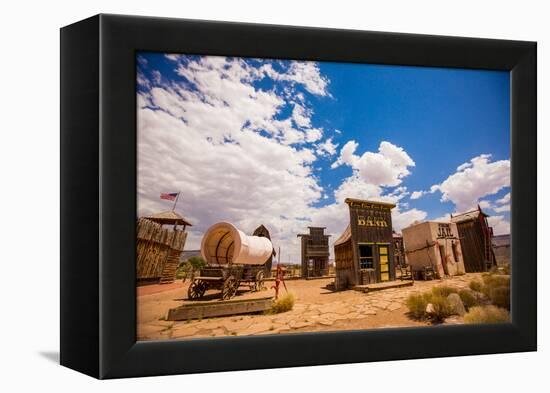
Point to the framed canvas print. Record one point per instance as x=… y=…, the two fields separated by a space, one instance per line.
x=321 y=196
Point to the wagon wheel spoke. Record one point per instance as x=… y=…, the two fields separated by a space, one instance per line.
x=260 y=276
x=229 y=288
x=196 y=290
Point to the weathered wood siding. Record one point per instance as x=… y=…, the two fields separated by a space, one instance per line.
x=154 y=246
x=345 y=266
x=472 y=240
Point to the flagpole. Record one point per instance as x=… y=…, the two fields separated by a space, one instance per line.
x=176 y=201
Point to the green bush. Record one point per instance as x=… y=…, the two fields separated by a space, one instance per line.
x=475 y=285
x=197 y=263
x=441 y=308
x=283 y=304
x=500 y=297
x=443 y=291
x=468 y=299
x=487 y=314
x=416 y=303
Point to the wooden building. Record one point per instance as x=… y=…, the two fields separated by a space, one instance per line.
x=364 y=253
x=501 y=249
x=160 y=242
x=398 y=250
x=476 y=240
x=315 y=252
x=435 y=246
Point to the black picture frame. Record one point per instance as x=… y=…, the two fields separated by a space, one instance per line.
x=98 y=196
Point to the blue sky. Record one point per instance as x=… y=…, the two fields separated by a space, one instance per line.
x=432 y=140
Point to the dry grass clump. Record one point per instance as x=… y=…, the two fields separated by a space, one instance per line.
x=475 y=285
x=417 y=303
x=468 y=298
x=283 y=304
x=487 y=314
x=500 y=296
x=443 y=290
x=441 y=308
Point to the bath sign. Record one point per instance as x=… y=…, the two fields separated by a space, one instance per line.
x=370 y=221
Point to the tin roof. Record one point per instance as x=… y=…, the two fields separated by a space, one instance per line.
x=467 y=216
x=350 y=200
x=344 y=237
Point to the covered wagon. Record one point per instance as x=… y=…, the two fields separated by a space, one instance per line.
x=233 y=259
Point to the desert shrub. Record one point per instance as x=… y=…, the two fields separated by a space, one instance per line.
x=506 y=269
x=496 y=280
x=443 y=291
x=283 y=304
x=487 y=314
x=441 y=308
x=197 y=263
x=467 y=298
x=500 y=296
x=475 y=285
x=416 y=303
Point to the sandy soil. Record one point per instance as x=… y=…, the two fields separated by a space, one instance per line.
x=316 y=309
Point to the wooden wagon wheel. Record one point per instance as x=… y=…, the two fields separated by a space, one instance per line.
x=196 y=289
x=259 y=283
x=229 y=288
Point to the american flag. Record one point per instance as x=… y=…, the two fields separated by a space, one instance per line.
x=169 y=196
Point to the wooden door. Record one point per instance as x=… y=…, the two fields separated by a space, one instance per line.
x=384 y=258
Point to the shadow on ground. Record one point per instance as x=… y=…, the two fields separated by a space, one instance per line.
x=52 y=356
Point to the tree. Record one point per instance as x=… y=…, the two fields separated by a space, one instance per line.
x=197 y=262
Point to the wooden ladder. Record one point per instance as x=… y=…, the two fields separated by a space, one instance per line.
x=168 y=275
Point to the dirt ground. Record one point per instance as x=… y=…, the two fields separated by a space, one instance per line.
x=316 y=309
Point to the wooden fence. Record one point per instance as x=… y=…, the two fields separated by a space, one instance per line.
x=154 y=246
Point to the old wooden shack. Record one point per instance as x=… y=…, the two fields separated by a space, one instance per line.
x=433 y=245
x=364 y=253
x=476 y=240
x=398 y=250
x=160 y=242
x=501 y=249
x=315 y=252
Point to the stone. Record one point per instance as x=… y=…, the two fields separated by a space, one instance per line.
x=394 y=306
x=381 y=304
x=457 y=306
x=256 y=328
x=299 y=324
x=184 y=331
x=237 y=325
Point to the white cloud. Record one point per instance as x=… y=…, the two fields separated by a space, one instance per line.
x=485 y=204
x=387 y=167
x=313 y=134
x=419 y=194
x=304 y=73
x=301 y=116
x=402 y=220
x=502 y=208
x=327 y=148
x=500 y=225
x=475 y=179
x=505 y=199
x=172 y=56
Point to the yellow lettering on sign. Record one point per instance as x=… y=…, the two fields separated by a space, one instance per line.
x=371 y=222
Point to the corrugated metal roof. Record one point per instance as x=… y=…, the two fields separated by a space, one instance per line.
x=344 y=237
